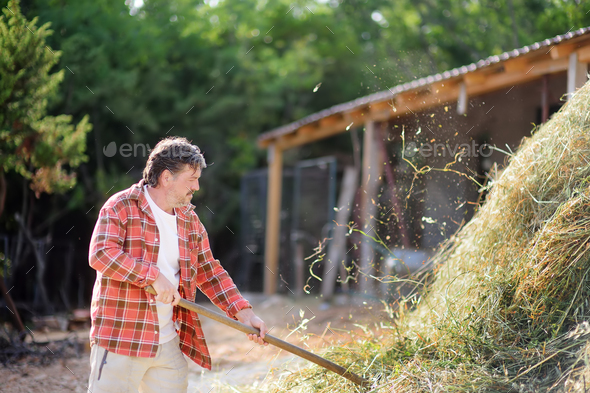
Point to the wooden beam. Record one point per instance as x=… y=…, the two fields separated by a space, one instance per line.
x=438 y=87
x=563 y=50
x=383 y=115
x=426 y=101
x=358 y=115
x=380 y=106
x=406 y=102
x=381 y=111
x=516 y=65
x=584 y=54
x=299 y=139
x=330 y=120
x=273 y=219
x=307 y=129
x=474 y=78
x=506 y=79
x=548 y=66
x=405 y=98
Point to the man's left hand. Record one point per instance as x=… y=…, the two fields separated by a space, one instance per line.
x=247 y=317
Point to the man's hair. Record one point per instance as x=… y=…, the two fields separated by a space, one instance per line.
x=172 y=153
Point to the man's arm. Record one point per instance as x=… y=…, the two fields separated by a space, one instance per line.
x=107 y=256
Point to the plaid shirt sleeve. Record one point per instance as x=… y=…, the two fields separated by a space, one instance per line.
x=214 y=281
x=106 y=250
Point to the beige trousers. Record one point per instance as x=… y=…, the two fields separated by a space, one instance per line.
x=113 y=373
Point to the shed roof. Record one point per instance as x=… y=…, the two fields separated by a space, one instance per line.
x=561 y=46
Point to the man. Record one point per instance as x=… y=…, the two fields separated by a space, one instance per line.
x=146 y=235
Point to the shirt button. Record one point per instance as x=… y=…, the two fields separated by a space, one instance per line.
x=156 y=239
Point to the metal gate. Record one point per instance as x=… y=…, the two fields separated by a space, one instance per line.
x=307 y=212
x=314 y=199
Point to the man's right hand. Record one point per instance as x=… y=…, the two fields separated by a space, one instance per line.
x=166 y=293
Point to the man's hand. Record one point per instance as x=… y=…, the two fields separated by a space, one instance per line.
x=247 y=317
x=166 y=293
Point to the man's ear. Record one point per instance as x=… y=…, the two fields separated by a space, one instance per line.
x=165 y=177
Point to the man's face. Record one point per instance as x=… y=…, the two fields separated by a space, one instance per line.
x=181 y=187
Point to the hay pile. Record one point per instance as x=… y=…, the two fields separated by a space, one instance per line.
x=508 y=308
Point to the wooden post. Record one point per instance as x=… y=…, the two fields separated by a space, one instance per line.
x=299 y=268
x=337 y=247
x=403 y=228
x=273 y=219
x=462 y=100
x=369 y=185
x=545 y=99
x=577 y=73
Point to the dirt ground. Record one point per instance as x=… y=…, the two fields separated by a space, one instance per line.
x=237 y=362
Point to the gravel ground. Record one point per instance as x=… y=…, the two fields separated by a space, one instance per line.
x=236 y=360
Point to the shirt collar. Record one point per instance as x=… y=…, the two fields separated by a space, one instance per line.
x=138 y=193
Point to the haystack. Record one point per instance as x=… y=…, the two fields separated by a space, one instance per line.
x=510 y=304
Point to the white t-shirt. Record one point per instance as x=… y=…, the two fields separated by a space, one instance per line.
x=168 y=256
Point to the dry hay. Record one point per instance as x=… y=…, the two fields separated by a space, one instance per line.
x=508 y=309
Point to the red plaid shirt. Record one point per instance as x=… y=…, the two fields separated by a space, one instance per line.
x=124 y=252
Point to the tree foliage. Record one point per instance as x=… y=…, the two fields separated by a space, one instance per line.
x=43 y=149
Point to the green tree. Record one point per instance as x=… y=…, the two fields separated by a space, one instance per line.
x=222 y=72
x=43 y=149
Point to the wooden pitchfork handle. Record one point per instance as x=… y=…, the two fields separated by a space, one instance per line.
x=270 y=339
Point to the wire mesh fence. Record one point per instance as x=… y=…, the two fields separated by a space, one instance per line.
x=308 y=200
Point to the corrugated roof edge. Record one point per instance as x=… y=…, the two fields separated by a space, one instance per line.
x=382 y=95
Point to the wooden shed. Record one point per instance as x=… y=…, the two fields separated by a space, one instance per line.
x=496 y=101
